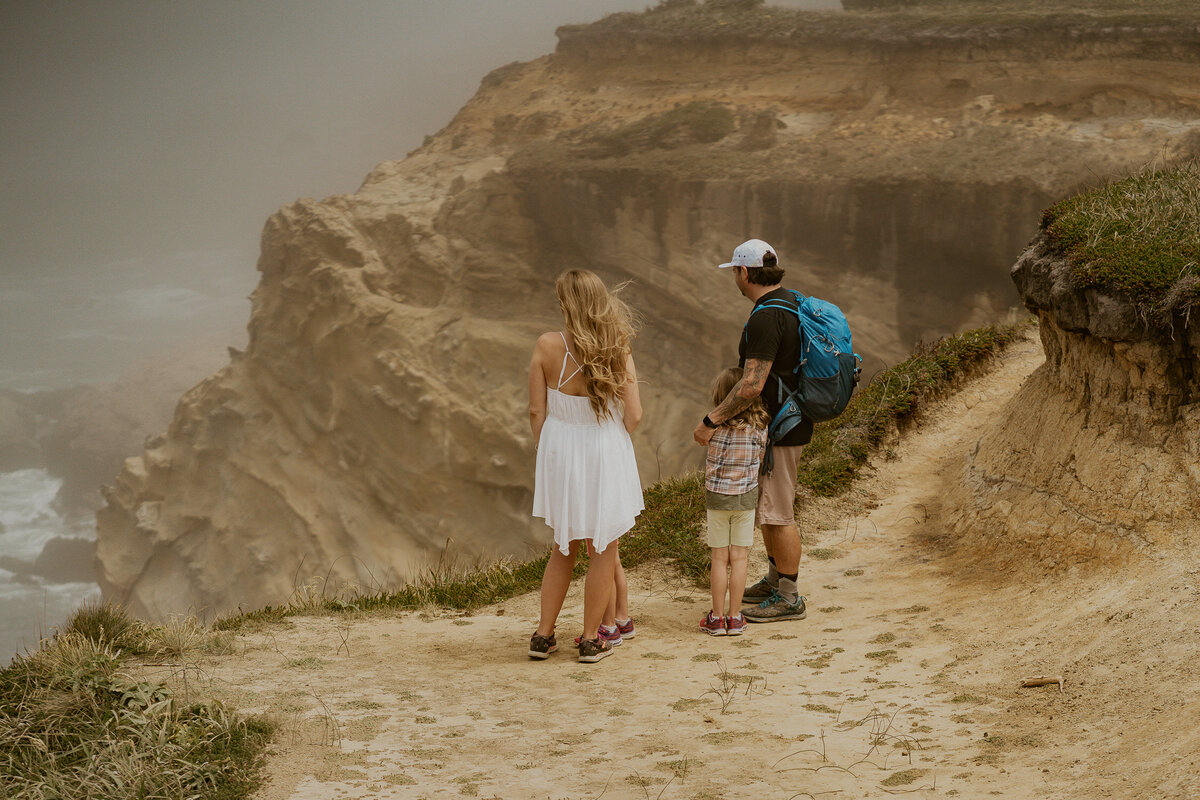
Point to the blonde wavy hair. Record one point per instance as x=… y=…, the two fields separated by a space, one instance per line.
x=755 y=416
x=603 y=328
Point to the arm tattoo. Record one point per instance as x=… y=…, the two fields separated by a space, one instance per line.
x=744 y=391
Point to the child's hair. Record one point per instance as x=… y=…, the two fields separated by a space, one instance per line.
x=753 y=417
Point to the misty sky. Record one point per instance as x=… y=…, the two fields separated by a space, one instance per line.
x=143 y=144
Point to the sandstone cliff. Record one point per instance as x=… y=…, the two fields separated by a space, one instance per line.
x=1097 y=459
x=377 y=416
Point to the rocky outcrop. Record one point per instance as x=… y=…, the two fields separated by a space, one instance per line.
x=375 y=426
x=1097 y=458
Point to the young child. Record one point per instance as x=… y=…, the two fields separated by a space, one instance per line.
x=731 y=493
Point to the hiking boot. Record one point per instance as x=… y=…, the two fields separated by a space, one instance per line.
x=626 y=628
x=592 y=650
x=713 y=626
x=759 y=591
x=542 y=646
x=735 y=626
x=775 y=609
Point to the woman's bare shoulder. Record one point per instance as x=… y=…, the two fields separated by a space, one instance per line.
x=549 y=344
x=550 y=340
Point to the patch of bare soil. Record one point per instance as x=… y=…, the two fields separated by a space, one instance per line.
x=903 y=679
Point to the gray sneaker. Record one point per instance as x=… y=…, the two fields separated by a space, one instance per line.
x=775 y=609
x=542 y=646
x=759 y=591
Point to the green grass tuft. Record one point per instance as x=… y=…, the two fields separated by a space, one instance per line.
x=102 y=622
x=1138 y=237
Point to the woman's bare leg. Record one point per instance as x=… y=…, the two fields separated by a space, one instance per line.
x=620 y=591
x=555 y=582
x=598 y=589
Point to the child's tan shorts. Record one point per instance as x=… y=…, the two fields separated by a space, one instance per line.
x=730 y=527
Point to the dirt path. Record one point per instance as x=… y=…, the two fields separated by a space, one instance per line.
x=902 y=679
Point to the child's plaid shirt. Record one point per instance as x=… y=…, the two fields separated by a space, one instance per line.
x=734 y=456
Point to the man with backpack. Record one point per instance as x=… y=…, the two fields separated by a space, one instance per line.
x=770 y=353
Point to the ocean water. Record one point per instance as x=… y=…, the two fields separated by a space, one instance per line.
x=31 y=605
x=84 y=325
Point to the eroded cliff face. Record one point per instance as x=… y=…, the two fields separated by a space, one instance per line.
x=375 y=425
x=1097 y=459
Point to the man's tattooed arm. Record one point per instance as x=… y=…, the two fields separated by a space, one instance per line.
x=754 y=378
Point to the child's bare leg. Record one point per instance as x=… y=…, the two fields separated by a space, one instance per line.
x=719 y=581
x=738 y=558
x=555 y=582
x=620 y=591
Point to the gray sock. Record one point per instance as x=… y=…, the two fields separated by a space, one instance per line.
x=788 y=590
x=772 y=574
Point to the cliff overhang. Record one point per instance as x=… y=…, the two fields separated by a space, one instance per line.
x=1097 y=459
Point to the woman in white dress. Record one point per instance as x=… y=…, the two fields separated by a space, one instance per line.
x=583 y=404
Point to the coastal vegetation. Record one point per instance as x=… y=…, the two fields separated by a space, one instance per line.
x=76 y=722
x=894 y=21
x=1138 y=237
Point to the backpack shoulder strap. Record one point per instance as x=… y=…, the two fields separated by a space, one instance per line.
x=781 y=304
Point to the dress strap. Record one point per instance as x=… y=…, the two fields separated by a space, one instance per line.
x=561 y=381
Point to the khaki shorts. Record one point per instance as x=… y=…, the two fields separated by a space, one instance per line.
x=730 y=527
x=777 y=491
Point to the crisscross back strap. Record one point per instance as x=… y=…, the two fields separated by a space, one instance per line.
x=578 y=366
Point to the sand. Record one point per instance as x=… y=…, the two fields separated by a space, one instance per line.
x=903 y=678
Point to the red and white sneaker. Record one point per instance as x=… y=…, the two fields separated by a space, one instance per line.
x=735 y=626
x=713 y=626
x=626 y=628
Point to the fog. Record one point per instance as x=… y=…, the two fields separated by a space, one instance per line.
x=144 y=144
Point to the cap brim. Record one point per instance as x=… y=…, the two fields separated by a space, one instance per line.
x=723 y=266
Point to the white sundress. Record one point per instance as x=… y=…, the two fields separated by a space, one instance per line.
x=586 y=482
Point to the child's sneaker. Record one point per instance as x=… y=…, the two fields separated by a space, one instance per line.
x=592 y=650
x=735 y=626
x=541 y=646
x=626 y=628
x=611 y=635
x=713 y=626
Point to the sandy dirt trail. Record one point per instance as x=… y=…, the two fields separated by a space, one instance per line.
x=898 y=682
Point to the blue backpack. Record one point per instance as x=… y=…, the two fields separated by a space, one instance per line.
x=828 y=368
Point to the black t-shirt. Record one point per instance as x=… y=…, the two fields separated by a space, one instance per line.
x=772 y=334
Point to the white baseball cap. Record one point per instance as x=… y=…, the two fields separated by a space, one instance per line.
x=750 y=254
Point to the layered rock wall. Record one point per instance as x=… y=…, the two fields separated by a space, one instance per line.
x=1097 y=458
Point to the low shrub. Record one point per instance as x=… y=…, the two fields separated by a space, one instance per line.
x=74 y=724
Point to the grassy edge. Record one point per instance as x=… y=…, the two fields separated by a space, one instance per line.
x=669 y=528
